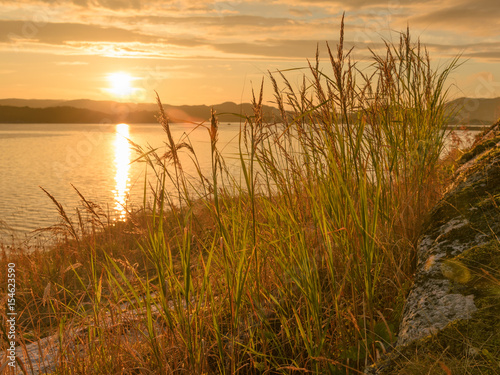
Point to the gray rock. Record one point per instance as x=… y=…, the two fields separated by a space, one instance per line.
x=460 y=239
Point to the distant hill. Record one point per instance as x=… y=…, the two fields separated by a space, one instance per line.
x=465 y=111
x=11 y=114
x=471 y=111
x=85 y=110
x=33 y=103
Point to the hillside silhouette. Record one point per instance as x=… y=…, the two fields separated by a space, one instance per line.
x=91 y=111
x=463 y=111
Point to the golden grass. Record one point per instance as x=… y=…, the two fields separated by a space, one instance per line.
x=302 y=266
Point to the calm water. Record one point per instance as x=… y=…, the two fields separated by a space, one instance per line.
x=96 y=159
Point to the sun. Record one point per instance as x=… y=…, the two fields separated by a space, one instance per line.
x=121 y=84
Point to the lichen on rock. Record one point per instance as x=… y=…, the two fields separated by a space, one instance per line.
x=452 y=311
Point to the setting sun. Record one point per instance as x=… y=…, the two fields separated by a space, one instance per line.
x=250 y=186
x=121 y=84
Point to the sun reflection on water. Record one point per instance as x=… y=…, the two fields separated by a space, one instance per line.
x=122 y=162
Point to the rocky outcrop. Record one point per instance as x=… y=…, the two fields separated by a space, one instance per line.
x=453 y=310
x=43 y=356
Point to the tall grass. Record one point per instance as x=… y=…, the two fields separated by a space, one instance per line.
x=300 y=263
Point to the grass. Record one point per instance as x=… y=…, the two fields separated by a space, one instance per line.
x=299 y=265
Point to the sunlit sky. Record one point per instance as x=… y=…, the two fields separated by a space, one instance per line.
x=205 y=52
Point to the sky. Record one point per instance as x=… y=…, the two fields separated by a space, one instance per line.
x=208 y=52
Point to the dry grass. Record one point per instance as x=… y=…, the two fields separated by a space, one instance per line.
x=300 y=266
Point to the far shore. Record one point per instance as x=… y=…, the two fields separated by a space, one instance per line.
x=468 y=127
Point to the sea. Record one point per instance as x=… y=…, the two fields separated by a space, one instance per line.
x=100 y=162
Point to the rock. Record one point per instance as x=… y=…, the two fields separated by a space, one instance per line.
x=42 y=356
x=38 y=357
x=452 y=311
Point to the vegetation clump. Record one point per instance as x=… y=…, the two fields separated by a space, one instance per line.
x=467 y=346
x=299 y=264
x=460 y=254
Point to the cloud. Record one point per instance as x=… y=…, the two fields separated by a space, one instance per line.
x=479 y=17
x=357 y=4
x=484 y=55
x=65 y=33
x=71 y=63
x=115 y=5
x=276 y=48
x=59 y=33
x=282 y=28
x=109 y=4
x=119 y=4
x=300 y=12
x=197 y=21
x=486 y=51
